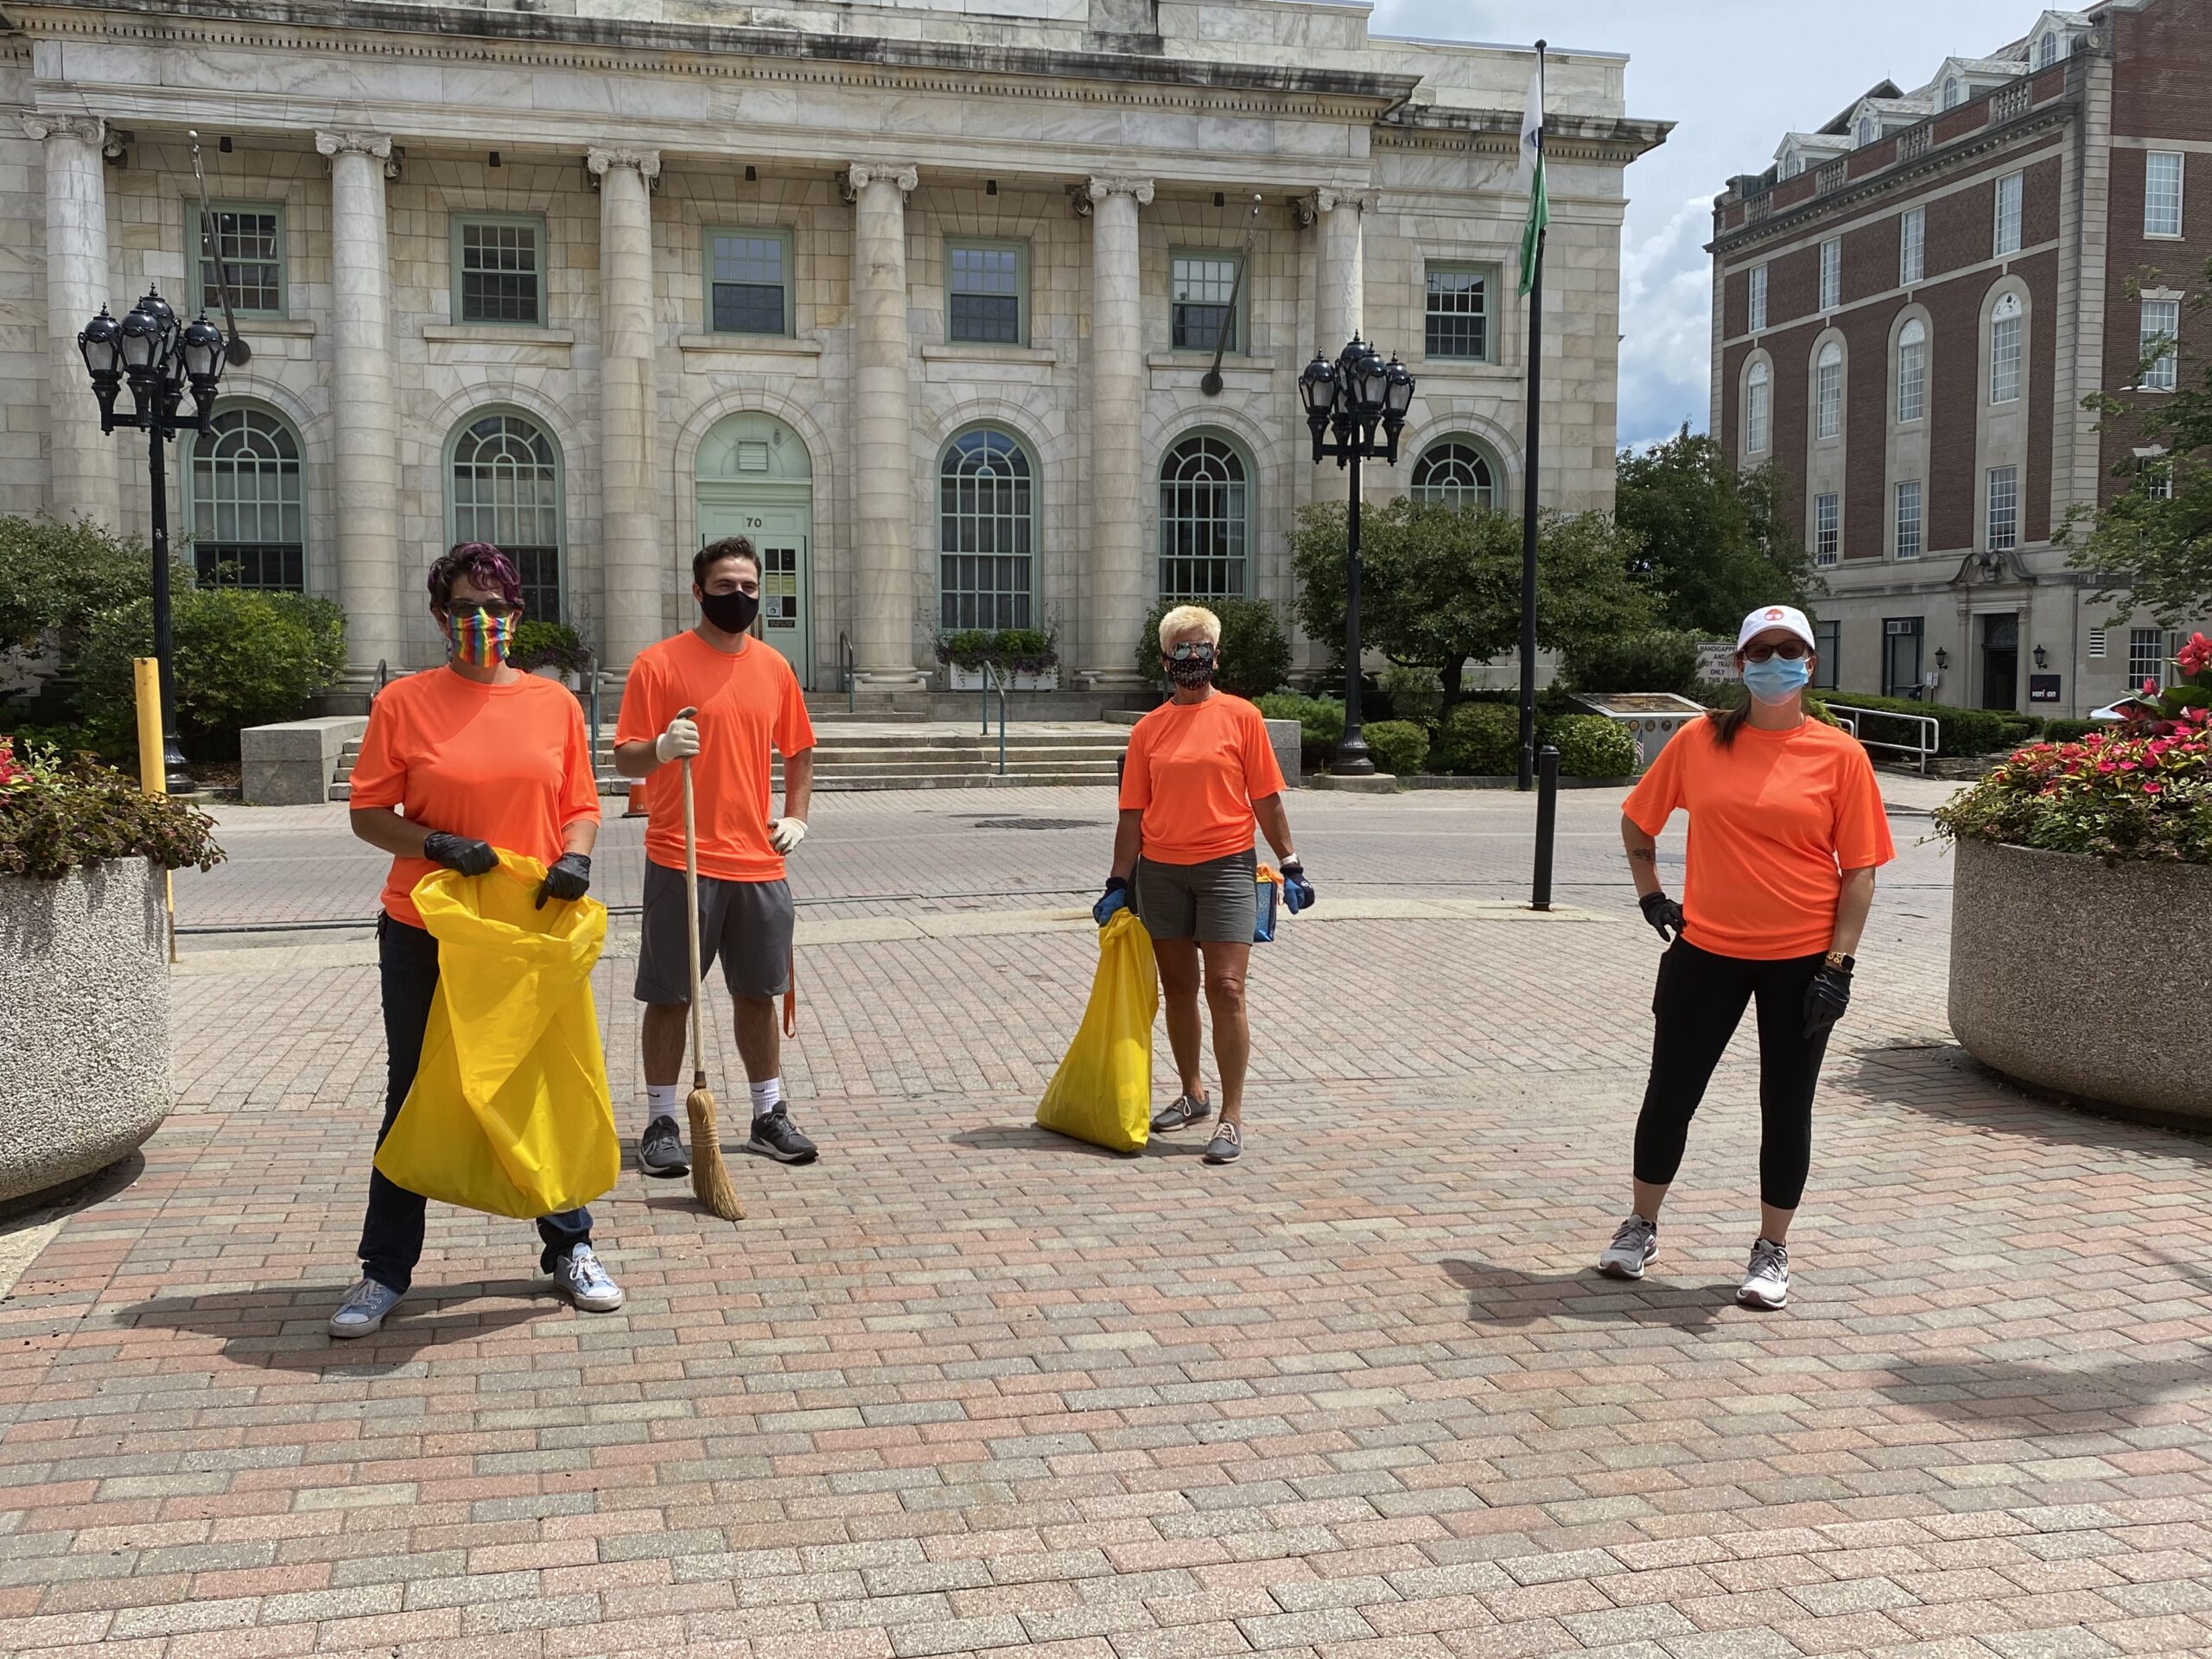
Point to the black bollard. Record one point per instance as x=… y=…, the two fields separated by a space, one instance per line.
x=1540 y=896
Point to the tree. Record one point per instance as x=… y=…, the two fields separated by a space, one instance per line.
x=1714 y=538
x=1440 y=586
x=60 y=576
x=2151 y=543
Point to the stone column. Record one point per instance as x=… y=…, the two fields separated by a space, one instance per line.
x=632 y=557
x=883 y=550
x=81 y=470
x=364 y=435
x=1118 y=590
x=1343 y=261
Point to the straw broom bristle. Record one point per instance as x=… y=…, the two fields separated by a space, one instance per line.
x=711 y=1182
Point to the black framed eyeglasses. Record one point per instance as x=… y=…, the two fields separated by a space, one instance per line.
x=1789 y=651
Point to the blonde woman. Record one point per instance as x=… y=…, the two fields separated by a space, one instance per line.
x=1200 y=774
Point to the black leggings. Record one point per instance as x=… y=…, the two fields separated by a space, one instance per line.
x=1698 y=1001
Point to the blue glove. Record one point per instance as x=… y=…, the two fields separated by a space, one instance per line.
x=1297 y=891
x=1116 y=896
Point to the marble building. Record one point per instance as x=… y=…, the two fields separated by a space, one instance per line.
x=917 y=294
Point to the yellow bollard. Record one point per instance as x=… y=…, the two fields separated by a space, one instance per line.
x=153 y=775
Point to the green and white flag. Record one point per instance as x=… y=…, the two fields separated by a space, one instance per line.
x=1532 y=176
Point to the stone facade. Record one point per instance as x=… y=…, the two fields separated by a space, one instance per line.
x=2021 y=178
x=1093 y=143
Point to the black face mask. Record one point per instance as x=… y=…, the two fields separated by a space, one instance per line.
x=1194 y=669
x=732 y=613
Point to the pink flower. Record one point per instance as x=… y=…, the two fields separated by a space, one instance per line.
x=2196 y=656
x=2150 y=686
x=2152 y=787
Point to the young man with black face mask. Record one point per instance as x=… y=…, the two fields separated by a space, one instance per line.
x=745 y=707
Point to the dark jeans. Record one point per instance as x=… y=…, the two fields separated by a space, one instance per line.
x=391 y=1233
x=1699 y=1000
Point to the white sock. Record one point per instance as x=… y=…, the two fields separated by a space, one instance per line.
x=767 y=1096
x=660 y=1101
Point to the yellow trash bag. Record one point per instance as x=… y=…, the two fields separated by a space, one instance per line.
x=1102 y=1092
x=510 y=1112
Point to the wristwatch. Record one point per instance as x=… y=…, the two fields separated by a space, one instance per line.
x=1839 y=962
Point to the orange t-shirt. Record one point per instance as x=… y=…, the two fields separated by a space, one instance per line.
x=1194 y=770
x=1775 y=821
x=506 y=764
x=749 y=701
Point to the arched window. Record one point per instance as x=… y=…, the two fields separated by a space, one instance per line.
x=1756 y=410
x=1912 y=370
x=1204 y=520
x=1827 y=419
x=1453 y=473
x=243 y=502
x=1955 y=92
x=987 y=516
x=1867 y=129
x=2005 y=350
x=2047 y=49
x=506 y=490
x=1792 y=164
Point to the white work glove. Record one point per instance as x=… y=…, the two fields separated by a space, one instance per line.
x=785 y=833
x=679 y=742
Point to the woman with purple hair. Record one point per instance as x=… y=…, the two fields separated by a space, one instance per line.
x=459 y=762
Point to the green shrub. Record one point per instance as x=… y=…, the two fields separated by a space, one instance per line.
x=1480 y=740
x=549 y=645
x=1254 y=651
x=57 y=816
x=1961 y=731
x=60 y=575
x=244 y=657
x=2072 y=731
x=1659 y=660
x=1321 y=722
x=1399 y=746
x=1591 y=746
x=965 y=648
x=1412 y=693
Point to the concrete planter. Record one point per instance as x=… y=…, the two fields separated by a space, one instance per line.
x=2085 y=980
x=85 y=1001
x=975 y=679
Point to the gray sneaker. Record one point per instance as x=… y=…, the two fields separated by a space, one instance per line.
x=1180 y=1113
x=774 y=1136
x=579 y=1276
x=1636 y=1241
x=1766 y=1282
x=660 y=1149
x=361 y=1315
x=1227 y=1145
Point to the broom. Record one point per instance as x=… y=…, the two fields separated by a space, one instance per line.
x=711 y=1182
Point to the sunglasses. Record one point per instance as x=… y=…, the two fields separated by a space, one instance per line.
x=498 y=610
x=1188 y=649
x=1789 y=651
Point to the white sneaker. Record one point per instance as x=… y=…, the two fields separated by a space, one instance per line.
x=1766 y=1284
x=1636 y=1241
x=580 y=1277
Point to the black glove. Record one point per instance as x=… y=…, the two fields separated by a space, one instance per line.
x=1663 y=913
x=1297 y=891
x=569 y=878
x=1826 y=998
x=460 y=853
x=1115 y=897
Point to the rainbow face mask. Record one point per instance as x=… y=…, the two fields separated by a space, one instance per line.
x=481 y=638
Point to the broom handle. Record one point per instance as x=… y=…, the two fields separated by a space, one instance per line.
x=691 y=912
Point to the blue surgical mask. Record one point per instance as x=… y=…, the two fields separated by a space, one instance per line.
x=1778 y=678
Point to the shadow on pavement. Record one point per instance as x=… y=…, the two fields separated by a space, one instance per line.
x=1508 y=1298
x=2025 y=1398
x=1027 y=1137
x=283 y=1329
x=1928 y=1080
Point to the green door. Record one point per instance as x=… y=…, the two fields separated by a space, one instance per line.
x=780 y=526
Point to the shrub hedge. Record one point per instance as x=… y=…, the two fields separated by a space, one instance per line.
x=1591 y=746
x=1321 y=722
x=1480 y=740
x=1961 y=731
x=1399 y=746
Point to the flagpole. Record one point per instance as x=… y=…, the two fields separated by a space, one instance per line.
x=1530 y=447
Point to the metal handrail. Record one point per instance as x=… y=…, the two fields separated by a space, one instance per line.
x=845 y=669
x=996 y=677
x=591 y=686
x=1927 y=726
x=383 y=673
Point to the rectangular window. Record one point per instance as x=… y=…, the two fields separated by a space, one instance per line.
x=1908 y=543
x=2161 y=324
x=1827 y=644
x=1831 y=273
x=1829 y=408
x=2146 y=658
x=1457 y=313
x=1758 y=298
x=2004 y=359
x=248 y=240
x=1203 y=301
x=986 y=293
x=1827 y=528
x=2004 y=508
x=2008 y=216
x=2162 y=193
x=748 y=282
x=1755 y=415
x=1901 y=638
x=500 y=271
x=1912 y=247
x=2156 y=474
x=1912 y=379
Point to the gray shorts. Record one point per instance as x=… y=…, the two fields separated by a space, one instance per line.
x=1215 y=903
x=747 y=924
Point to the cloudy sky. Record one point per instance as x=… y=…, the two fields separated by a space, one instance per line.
x=1734 y=75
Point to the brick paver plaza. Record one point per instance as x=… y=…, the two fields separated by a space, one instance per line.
x=964 y=1388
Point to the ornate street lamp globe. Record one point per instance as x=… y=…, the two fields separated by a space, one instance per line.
x=201 y=348
x=100 y=342
x=139 y=336
x=1397 y=392
x=1318 y=387
x=1369 y=384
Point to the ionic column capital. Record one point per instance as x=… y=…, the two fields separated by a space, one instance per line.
x=1098 y=187
x=644 y=163
x=90 y=127
x=1360 y=201
x=378 y=144
x=860 y=175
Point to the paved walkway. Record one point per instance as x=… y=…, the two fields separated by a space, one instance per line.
x=964 y=1387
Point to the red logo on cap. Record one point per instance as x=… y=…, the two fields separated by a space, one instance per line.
x=1775 y=615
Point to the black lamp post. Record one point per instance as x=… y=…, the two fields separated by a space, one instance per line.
x=1351 y=398
x=160 y=361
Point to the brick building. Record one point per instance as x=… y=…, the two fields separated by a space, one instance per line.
x=1908 y=309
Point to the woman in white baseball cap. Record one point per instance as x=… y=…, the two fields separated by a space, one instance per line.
x=1786 y=830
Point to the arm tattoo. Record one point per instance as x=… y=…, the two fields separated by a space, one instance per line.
x=1649 y=855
